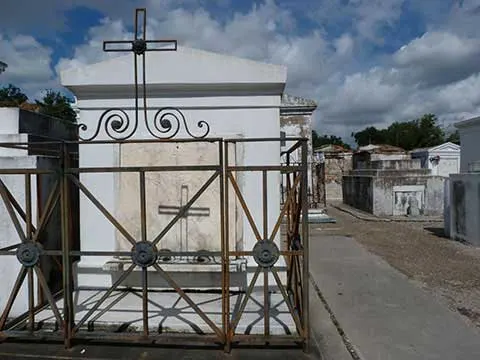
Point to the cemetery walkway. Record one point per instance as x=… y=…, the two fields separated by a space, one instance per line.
x=382 y=312
x=449 y=270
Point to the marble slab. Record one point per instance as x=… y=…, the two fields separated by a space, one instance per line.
x=167 y=192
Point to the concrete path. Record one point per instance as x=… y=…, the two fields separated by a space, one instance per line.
x=383 y=314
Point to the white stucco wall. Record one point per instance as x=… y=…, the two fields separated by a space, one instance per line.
x=96 y=231
x=464 y=188
x=238 y=98
x=13 y=159
x=9 y=123
x=448 y=155
x=469 y=131
x=9 y=265
x=465 y=208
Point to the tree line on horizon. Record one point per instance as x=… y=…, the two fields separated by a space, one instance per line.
x=53 y=103
x=408 y=135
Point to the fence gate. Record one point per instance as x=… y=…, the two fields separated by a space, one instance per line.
x=217 y=272
x=38 y=306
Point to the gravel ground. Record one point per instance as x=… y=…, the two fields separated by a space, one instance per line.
x=447 y=269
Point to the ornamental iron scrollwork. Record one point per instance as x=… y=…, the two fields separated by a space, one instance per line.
x=167 y=121
x=166 y=124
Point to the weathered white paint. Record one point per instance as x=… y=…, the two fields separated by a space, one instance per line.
x=13 y=159
x=469 y=131
x=9 y=123
x=238 y=98
x=464 y=188
x=296 y=122
x=442 y=160
x=9 y=265
x=465 y=207
x=402 y=195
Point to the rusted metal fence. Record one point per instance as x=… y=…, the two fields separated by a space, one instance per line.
x=34 y=254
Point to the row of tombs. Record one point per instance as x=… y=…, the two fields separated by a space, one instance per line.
x=437 y=183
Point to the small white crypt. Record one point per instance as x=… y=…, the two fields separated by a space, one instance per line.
x=237 y=98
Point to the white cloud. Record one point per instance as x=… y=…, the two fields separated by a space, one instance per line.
x=372 y=15
x=366 y=17
x=438 y=58
x=92 y=50
x=437 y=72
x=29 y=63
x=260 y=34
x=361 y=98
x=344 y=45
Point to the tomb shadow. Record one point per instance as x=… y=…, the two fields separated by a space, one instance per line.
x=437 y=231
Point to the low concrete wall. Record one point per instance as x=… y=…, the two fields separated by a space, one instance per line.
x=465 y=208
x=383 y=194
x=389 y=172
x=398 y=164
x=358 y=192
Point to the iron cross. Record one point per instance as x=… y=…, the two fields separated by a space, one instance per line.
x=139 y=45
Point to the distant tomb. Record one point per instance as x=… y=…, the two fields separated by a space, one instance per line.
x=386 y=181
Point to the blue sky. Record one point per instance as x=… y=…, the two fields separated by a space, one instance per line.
x=365 y=62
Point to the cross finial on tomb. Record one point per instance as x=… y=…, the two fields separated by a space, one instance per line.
x=166 y=121
x=139 y=45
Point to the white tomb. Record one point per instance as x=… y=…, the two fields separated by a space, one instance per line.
x=443 y=159
x=464 y=188
x=238 y=99
x=18 y=127
x=11 y=159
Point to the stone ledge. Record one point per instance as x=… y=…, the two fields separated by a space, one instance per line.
x=362 y=215
x=120 y=265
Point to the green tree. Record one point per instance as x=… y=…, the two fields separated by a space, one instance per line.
x=453 y=137
x=421 y=132
x=12 y=96
x=370 y=135
x=57 y=105
x=318 y=141
x=430 y=133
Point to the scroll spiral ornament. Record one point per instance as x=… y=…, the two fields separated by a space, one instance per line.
x=116 y=123
x=166 y=124
x=168 y=121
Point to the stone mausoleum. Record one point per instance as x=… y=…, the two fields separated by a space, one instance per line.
x=463 y=211
x=443 y=159
x=295 y=122
x=238 y=98
x=332 y=162
x=386 y=181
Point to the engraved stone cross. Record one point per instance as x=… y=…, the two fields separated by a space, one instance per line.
x=192 y=211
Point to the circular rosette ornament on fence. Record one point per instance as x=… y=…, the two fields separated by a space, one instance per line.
x=144 y=254
x=266 y=253
x=29 y=253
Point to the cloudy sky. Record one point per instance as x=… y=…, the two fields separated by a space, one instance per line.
x=365 y=62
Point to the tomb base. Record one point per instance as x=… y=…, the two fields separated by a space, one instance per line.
x=169 y=313
x=186 y=275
